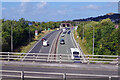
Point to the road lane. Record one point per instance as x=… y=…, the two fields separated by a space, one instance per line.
x=38 y=48
x=65 y=48
x=50 y=40
x=38 y=45
x=80 y=70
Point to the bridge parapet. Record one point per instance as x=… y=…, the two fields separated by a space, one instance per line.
x=60 y=58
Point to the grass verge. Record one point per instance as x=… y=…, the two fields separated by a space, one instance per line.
x=25 y=49
x=81 y=43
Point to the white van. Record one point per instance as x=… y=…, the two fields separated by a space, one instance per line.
x=45 y=43
x=75 y=53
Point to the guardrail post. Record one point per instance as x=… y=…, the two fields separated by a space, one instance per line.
x=64 y=76
x=88 y=59
x=34 y=57
x=109 y=77
x=22 y=75
x=8 y=56
x=60 y=59
x=117 y=61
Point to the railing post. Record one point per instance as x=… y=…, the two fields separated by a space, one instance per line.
x=34 y=57
x=117 y=61
x=88 y=59
x=109 y=77
x=64 y=76
x=60 y=59
x=22 y=75
x=8 y=56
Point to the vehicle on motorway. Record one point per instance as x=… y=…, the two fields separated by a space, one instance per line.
x=75 y=54
x=62 y=41
x=64 y=31
x=62 y=35
x=69 y=32
x=57 y=28
x=45 y=43
x=68 y=28
x=43 y=39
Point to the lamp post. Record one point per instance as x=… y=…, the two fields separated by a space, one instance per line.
x=93 y=41
x=83 y=32
x=30 y=23
x=12 y=38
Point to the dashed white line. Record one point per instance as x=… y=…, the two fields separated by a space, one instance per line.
x=34 y=46
x=71 y=35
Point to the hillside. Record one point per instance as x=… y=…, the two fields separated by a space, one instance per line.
x=115 y=17
x=106 y=37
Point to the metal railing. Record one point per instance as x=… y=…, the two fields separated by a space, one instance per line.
x=50 y=75
x=61 y=58
x=53 y=49
x=77 y=46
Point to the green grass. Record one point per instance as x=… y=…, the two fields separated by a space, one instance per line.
x=81 y=43
x=25 y=49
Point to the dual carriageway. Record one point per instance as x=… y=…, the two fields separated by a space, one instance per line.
x=54 y=45
x=40 y=59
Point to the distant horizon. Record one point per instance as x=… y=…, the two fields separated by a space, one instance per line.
x=56 y=11
x=59 y=21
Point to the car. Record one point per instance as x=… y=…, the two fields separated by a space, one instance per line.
x=62 y=35
x=75 y=54
x=43 y=39
x=62 y=41
x=69 y=32
x=45 y=43
x=64 y=32
x=68 y=28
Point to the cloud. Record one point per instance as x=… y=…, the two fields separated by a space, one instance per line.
x=41 y=4
x=3 y=8
x=22 y=4
x=25 y=0
x=26 y=8
x=22 y=7
x=60 y=11
x=91 y=6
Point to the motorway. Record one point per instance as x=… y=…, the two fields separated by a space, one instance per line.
x=82 y=69
x=65 y=48
x=77 y=68
x=39 y=48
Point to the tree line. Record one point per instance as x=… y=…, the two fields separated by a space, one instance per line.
x=21 y=32
x=106 y=36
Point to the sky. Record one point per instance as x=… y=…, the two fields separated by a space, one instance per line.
x=56 y=11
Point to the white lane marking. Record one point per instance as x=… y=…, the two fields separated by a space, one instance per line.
x=40 y=49
x=34 y=46
x=71 y=36
x=39 y=41
x=58 y=45
x=67 y=50
x=52 y=45
x=66 y=46
x=39 y=52
x=48 y=40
